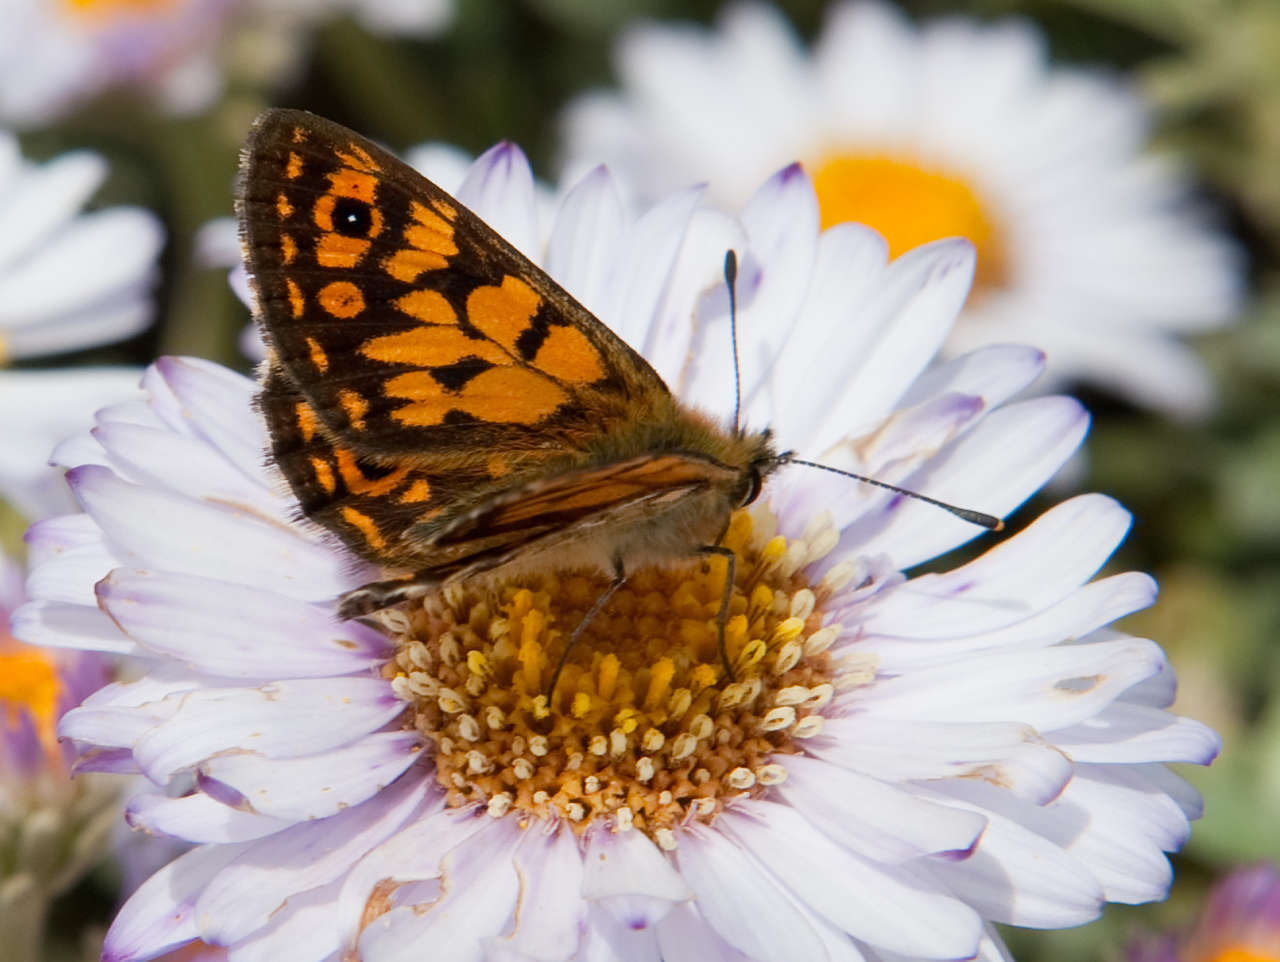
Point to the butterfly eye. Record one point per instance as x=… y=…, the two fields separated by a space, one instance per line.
x=754 y=484
x=352 y=218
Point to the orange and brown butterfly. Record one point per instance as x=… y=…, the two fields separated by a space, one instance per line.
x=443 y=406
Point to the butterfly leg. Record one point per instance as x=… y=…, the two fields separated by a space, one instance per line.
x=619 y=579
x=722 y=617
x=383 y=594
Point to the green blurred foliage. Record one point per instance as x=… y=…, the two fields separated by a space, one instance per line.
x=1204 y=494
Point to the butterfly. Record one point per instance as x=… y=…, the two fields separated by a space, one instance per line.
x=440 y=404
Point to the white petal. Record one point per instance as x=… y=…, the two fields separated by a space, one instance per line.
x=197 y=818
x=187 y=466
x=549 y=916
x=42 y=199
x=1020 y=878
x=1087 y=608
x=62 y=625
x=303 y=931
x=480 y=888
x=782 y=228
x=889 y=908
x=1048 y=689
x=244 y=895
x=281 y=720
x=608 y=940
x=193 y=537
x=214 y=403
x=850 y=258
x=683 y=936
x=894 y=750
x=646 y=260
x=630 y=878
x=235 y=630
x=499 y=189
x=677 y=348
x=160 y=915
x=113 y=251
x=887 y=824
x=1038 y=567
x=411 y=855
x=1132 y=734
x=913 y=307
x=753 y=914
x=585 y=242
x=1129 y=827
x=994 y=373
x=1007 y=456
x=315 y=786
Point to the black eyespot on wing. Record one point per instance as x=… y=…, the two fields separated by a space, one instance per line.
x=352 y=218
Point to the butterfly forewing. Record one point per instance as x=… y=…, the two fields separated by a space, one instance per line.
x=437 y=401
x=405 y=320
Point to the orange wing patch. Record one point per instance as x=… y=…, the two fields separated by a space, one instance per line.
x=341 y=299
x=429 y=307
x=503 y=313
x=567 y=355
x=367 y=527
x=432 y=346
x=430 y=241
x=511 y=395
x=335 y=250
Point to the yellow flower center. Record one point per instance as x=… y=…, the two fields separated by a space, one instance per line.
x=909 y=204
x=29 y=682
x=644 y=728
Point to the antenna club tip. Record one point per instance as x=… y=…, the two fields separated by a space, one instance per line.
x=998 y=526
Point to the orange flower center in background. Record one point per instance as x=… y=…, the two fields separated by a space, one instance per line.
x=107 y=9
x=909 y=205
x=645 y=729
x=29 y=682
x=1239 y=954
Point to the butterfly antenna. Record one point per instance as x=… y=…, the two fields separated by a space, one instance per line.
x=730 y=280
x=988 y=521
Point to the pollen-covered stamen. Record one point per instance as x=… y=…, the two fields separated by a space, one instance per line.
x=644 y=727
x=910 y=202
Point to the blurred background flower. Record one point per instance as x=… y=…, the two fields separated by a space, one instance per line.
x=1239 y=922
x=1087 y=248
x=129 y=104
x=52 y=829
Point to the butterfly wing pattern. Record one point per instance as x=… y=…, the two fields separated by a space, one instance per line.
x=433 y=397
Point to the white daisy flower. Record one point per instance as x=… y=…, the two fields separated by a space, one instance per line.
x=68 y=280
x=1087 y=248
x=52 y=829
x=55 y=55
x=394 y=17
x=896 y=764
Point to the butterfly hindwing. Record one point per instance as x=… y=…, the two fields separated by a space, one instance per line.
x=408 y=323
